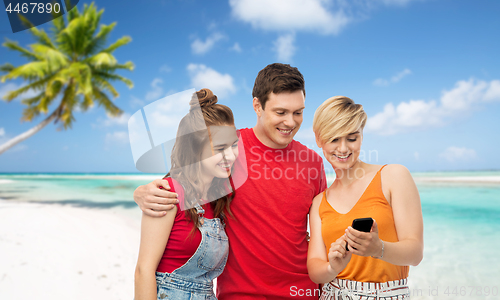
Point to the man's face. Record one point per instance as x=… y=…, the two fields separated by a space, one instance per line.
x=280 y=121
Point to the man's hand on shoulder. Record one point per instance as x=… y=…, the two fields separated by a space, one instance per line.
x=154 y=198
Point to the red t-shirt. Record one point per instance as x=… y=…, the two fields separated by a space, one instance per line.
x=181 y=244
x=267 y=239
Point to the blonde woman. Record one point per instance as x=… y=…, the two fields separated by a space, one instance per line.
x=354 y=264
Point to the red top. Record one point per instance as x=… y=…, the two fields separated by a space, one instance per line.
x=181 y=245
x=267 y=239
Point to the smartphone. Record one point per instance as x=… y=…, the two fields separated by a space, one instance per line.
x=361 y=224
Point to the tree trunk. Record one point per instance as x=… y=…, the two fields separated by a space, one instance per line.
x=16 y=140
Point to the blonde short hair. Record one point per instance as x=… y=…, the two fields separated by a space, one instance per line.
x=337 y=117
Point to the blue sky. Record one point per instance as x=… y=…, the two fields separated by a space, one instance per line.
x=426 y=71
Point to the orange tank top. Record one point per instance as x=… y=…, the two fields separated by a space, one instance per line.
x=371 y=204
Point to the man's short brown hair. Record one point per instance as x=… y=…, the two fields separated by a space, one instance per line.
x=277 y=78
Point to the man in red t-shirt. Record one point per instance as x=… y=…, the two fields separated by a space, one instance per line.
x=268 y=235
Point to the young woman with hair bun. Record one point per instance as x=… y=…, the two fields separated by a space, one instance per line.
x=182 y=252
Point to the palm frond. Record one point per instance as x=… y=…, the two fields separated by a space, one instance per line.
x=68 y=102
x=108 y=105
x=59 y=25
x=35 y=86
x=96 y=43
x=43 y=105
x=72 y=35
x=105 y=85
x=55 y=58
x=42 y=37
x=120 y=42
x=101 y=60
x=72 y=64
x=113 y=77
x=30 y=71
x=92 y=18
x=25 y=21
x=33 y=100
x=86 y=103
x=53 y=88
x=12 y=45
x=110 y=69
x=74 y=13
x=7 y=67
x=127 y=66
x=30 y=113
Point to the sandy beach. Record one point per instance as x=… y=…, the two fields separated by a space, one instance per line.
x=77 y=236
x=60 y=252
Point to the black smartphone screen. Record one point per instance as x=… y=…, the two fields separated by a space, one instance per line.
x=361 y=224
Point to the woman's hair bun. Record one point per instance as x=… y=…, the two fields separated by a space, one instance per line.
x=204 y=98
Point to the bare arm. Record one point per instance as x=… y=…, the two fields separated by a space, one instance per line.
x=154 y=236
x=154 y=199
x=324 y=267
x=407 y=211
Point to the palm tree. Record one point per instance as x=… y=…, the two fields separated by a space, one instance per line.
x=73 y=67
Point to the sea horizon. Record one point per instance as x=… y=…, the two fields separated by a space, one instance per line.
x=162 y=174
x=459 y=209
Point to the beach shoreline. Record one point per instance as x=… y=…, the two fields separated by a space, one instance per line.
x=53 y=251
x=65 y=237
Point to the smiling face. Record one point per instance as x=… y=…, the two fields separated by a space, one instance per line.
x=218 y=156
x=278 y=123
x=343 y=153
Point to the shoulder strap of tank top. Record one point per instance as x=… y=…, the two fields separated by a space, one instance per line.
x=377 y=180
x=379 y=175
x=381 y=168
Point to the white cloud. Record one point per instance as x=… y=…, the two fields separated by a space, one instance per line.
x=117 y=137
x=305 y=134
x=493 y=92
x=415 y=114
x=236 y=48
x=318 y=16
x=136 y=102
x=468 y=93
x=394 y=79
x=201 y=47
x=465 y=97
x=165 y=69
x=122 y=120
x=453 y=154
x=205 y=77
x=5 y=88
x=287 y=15
x=2 y=132
x=156 y=92
x=284 y=47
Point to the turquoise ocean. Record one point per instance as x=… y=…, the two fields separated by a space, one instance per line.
x=461 y=221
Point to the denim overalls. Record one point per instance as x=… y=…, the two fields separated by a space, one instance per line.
x=194 y=279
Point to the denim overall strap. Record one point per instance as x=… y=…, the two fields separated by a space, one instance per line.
x=207 y=263
x=200 y=210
